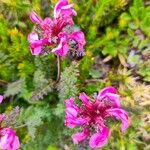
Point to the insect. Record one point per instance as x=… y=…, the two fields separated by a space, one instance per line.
x=74 y=52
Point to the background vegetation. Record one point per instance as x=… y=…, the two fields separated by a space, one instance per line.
x=117 y=53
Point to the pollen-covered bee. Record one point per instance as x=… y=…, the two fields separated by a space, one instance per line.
x=74 y=52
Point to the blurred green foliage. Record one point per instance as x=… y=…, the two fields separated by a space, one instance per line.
x=117 y=53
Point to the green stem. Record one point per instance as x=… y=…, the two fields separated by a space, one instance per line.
x=21 y=126
x=58 y=68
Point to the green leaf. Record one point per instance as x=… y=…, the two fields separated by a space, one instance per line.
x=14 y=88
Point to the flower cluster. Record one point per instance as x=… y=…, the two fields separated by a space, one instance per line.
x=8 y=138
x=92 y=116
x=57 y=35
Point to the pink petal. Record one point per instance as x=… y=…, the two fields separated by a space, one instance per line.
x=68 y=9
x=85 y=99
x=1 y=99
x=35 y=18
x=80 y=136
x=67 y=6
x=35 y=50
x=108 y=95
x=71 y=122
x=113 y=98
x=8 y=140
x=69 y=102
x=105 y=90
x=99 y=140
x=63 y=8
x=80 y=121
x=63 y=47
x=119 y=114
x=16 y=143
x=46 y=23
x=71 y=112
x=58 y=6
x=32 y=37
x=36 y=46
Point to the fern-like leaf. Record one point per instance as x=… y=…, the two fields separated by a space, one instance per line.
x=13 y=88
x=68 y=82
x=42 y=91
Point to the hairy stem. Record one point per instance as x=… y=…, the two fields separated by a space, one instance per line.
x=21 y=126
x=58 y=68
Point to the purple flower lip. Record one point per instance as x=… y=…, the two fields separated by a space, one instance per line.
x=93 y=115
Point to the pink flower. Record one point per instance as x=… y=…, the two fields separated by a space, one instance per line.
x=50 y=35
x=8 y=139
x=92 y=115
x=47 y=34
x=57 y=35
x=1 y=99
x=63 y=8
